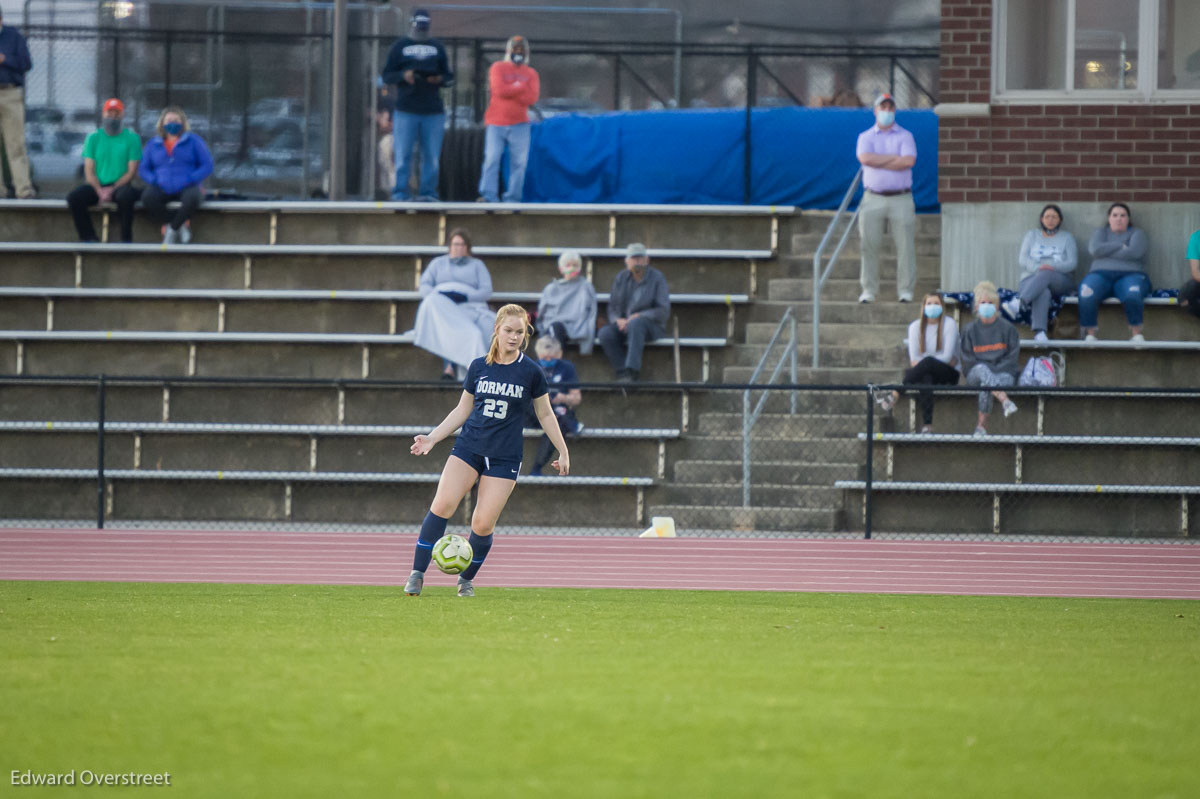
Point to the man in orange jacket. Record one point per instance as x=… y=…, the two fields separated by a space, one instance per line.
x=514 y=87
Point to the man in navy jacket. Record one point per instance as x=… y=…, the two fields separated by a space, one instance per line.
x=418 y=66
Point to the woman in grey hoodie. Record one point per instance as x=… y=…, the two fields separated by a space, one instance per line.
x=989 y=348
x=1117 y=251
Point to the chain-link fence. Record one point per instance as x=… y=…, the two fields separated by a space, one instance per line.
x=715 y=460
x=262 y=100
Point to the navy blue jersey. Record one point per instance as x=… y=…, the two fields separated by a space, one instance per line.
x=503 y=394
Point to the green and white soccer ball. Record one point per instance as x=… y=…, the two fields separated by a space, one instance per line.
x=452 y=554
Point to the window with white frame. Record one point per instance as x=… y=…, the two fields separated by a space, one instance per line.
x=1096 y=50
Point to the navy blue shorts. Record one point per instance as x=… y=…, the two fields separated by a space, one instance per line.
x=489 y=467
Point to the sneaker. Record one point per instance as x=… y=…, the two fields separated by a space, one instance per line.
x=415 y=581
x=185 y=234
x=171 y=236
x=1041 y=337
x=1090 y=337
x=980 y=432
x=1013 y=307
x=905 y=296
x=27 y=194
x=578 y=429
x=866 y=296
x=1010 y=408
x=465 y=587
x=625 y=376
x=1138 y=338
x=886 y=401
x=927 y=428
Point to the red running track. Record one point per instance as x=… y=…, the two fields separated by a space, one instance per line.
x=893 y=567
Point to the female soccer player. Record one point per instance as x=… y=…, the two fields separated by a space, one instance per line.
x=499 y=388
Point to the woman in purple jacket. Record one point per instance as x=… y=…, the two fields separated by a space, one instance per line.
x=174 y=164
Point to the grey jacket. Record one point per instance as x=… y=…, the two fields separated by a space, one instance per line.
x=651 y=298
x=1118 y=252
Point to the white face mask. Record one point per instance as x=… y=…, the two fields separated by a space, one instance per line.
x=885 y=117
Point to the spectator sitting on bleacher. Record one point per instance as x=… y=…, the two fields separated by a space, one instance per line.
x=1048 y=257
x=1189 y=295
x=453 y=319
x=989 y=348
x=932 y=356
x=1117 y=250
x=174 y=165
x=110 y=160
x=567 y=308
x=638 y=307
x=565 y=396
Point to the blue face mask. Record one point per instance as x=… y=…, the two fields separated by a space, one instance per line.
x=933 y=311
x=986 y=310
x=548 y=363
x=885 y=118
x=173 y=128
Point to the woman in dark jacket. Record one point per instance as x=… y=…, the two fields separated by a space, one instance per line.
x=174 y=165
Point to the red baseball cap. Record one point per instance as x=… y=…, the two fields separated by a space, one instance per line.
x=113 y=104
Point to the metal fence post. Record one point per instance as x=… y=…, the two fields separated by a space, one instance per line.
x=100 y=454
x=751 y=91
x=870 y=461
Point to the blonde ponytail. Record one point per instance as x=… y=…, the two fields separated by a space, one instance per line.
x=508 y=310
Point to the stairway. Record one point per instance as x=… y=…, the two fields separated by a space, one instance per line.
x=795 y=459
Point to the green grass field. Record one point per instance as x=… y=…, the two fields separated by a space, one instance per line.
x=288 y=691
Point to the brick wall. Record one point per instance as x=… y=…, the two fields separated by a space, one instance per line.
x=1044 y=153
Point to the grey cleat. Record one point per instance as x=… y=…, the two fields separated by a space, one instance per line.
x=415 y=581
x=465 y=587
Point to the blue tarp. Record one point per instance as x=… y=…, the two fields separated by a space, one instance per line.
x=800 y=156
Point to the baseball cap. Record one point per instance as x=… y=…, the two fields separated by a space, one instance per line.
x=884 y=97
x=113 y=104
x=635 y=250
x=420 y=18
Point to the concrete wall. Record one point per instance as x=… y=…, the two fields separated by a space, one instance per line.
x=982 y=240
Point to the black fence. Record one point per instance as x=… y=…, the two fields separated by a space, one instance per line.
x=701 y=460
x=262 y=100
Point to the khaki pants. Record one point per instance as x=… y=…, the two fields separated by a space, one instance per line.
x=12 y=128
x=901 y=215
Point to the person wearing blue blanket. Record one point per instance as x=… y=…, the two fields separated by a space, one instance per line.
x=174 y=165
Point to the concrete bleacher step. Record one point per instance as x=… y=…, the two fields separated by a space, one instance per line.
x=765 y=448
x=762 y=495
x=299 y=267
x=322 y=222
x=604 y=407
x=816 y=222
x=840 y=290
x=804 y=245
x=833 y=334
x=288 y=452
x=783 y=426
x=1152 y=462
x=749 y=520
x=831 y=356
x=847 y=268
x=788 y=472
x=825 y=375
x=225 y=355
x=886 y=312
x=778 y=401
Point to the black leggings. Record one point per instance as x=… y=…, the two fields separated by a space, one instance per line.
x=930 y=371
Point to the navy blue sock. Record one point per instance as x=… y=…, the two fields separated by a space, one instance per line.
x=480 y=546
x=433 y=528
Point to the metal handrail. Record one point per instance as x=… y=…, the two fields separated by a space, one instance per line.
x=820 y=277
x=749 y=418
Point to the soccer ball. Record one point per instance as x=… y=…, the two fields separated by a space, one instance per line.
x=452 y=554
